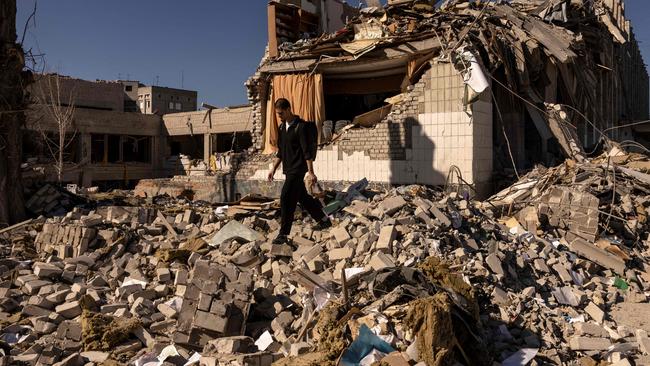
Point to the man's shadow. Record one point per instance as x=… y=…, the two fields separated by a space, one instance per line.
x=417 y=168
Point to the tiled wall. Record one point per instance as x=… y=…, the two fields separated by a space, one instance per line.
x=419 y=141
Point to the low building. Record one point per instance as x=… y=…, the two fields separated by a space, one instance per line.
x=102 y=146
x=105 y=145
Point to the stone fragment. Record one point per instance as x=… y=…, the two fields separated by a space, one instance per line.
x=47 y=270
x=299 y=348
x=643 y=340
x=562 y=271
x=381 y=260
x=590 y=329
x=494 y=263
x=69 y=310
x=600 y=256
x=391 y=205
x=341 y=253
x=210 y=321
x=281 y=250
x=500 y=297
x=595 y=312
x=230 y=345
x=540 y=265
x=95 y=356
x=565 y=296
x=340 y=234
x=441 y=217
x=386 y=237
x=145 y=337
x=578 y=343
x=234 y=230
x=163 y=275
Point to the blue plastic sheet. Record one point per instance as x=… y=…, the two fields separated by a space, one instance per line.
x=362 y=346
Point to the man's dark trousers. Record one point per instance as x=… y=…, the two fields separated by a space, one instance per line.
x=294 y=191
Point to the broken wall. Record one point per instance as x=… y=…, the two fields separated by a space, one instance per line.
x=418 y=142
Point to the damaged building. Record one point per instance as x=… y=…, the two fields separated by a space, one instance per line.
x=553 y=269
x=110 y=140
x=456 y=93
x=464 y=94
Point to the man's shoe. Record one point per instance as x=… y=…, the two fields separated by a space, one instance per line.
x=280 y=239
x=322 y=225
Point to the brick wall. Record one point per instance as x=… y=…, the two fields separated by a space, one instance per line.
x=418 y=142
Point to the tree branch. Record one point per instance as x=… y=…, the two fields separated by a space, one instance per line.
x=32 y=15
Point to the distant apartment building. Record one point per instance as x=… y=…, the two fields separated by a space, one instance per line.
x=161 y=100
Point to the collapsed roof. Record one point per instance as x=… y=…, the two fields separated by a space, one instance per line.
x=518 y=44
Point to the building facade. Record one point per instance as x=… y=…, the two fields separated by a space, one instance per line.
x=130 y=95
x=162 y=100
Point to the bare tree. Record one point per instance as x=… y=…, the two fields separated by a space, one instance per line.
x=59 y=108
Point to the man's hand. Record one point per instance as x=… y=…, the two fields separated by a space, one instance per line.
x=271 y=174
x=312 y=178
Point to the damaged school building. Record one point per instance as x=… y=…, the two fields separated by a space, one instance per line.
x=457 y=93
x=119 y=132
x=553 y=269
x=411 y=94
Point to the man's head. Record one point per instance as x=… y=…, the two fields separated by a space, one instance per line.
x=283 y=109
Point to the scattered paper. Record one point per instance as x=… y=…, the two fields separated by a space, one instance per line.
x=264 y=341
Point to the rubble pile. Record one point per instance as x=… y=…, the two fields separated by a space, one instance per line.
x=50 y=200
x=553 y=270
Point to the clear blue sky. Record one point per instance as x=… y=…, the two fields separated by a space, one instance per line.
x=215 y=45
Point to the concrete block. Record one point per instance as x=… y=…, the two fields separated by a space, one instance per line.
x=391 y=205
x=47 y=270
x=341 y=253
x=589 y=343
x=381 y=260
x=386 y=237
x=69 y=310
x=595 y=312
x=340 y=234
x=210 y=321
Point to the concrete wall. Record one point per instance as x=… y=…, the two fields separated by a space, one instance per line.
x=106 y=95
x=130 y=95
x=223 y=121
x=337 y=14
x=420 y=140
x=160 y=97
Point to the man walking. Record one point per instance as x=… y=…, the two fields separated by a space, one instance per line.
x=296 y=155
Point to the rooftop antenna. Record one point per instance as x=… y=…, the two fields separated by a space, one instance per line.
x=182 y=79
x=157 y=79
x=128 y=76
x=119 y=76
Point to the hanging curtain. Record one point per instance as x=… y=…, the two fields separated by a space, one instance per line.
x=305 y=93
